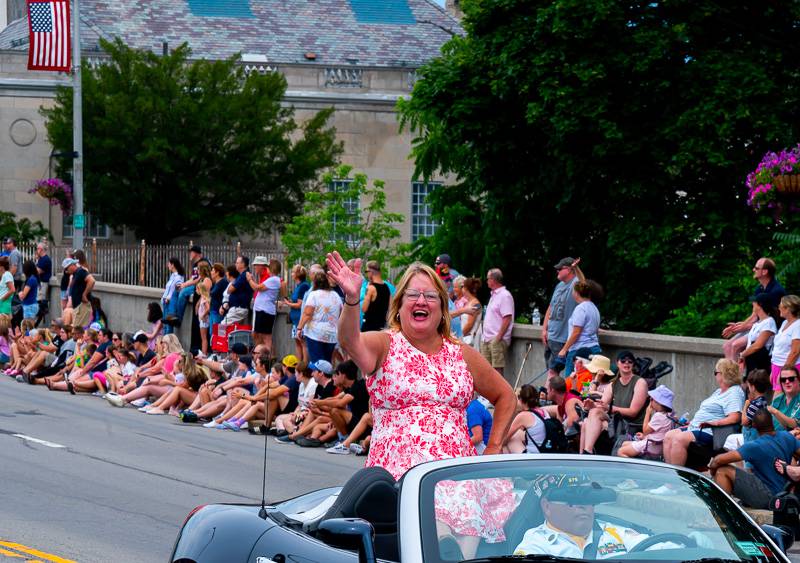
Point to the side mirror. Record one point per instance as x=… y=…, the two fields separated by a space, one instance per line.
x=349 y=533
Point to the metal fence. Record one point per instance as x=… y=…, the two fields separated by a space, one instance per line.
x=146 y=265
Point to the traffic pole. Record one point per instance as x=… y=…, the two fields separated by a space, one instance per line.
x=78 y=220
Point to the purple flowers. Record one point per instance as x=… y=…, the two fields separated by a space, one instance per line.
x=56 y=191
x=761 y=183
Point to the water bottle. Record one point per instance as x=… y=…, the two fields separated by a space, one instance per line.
x=585 y=389
x=536 y=318
x=684 y=419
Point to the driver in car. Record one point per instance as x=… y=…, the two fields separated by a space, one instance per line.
x=570 y=528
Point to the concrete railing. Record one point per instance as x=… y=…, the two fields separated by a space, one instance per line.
x=693 y=358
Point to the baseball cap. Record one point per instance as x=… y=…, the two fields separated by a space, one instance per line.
x=572 y=489
x=290 y=361
x=68 y=262
x=322 y=365
x=8 y=240
x=260 y=261
x=239 y=348
x=96 y=326
x=195 y=248
x=443 y=259
x=565 y=263
x=140 y=337
x=625 y=355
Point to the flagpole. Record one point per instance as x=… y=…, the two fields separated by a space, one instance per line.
x=78 y=221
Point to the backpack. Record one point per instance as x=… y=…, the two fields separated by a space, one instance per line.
x=554 y=439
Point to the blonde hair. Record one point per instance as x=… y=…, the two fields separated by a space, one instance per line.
x=792 y=302
x=203 y=291
x=397 y=301
x=204 y=270
x=27 y=325
x=729 y=371
x=172 y=344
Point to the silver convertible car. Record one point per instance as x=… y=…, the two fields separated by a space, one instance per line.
x=490 y=508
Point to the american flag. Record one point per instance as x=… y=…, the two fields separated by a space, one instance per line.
x=48 y=21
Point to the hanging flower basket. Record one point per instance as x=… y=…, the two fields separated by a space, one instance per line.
x=776 y=177
x=56 y=191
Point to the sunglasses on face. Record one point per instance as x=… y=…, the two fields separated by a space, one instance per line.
x=788 y=379
x=626 y=361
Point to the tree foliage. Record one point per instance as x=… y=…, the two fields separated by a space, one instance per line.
x=620 y=132
x=347 y=214
x=174 y=146
x=21 y=230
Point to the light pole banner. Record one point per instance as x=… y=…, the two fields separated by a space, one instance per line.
x=49 y=26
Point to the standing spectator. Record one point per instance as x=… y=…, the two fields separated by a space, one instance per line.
x=759 y=339
x=187 y=288
x=444 y=267
x=470 y=309
x=375 y=304
x=582 y=326
x=479 y=424
x=320 y=316
x=217 y=293
x=81 y=285
x=14 y=262
x=44 y=268
x=265 y=304
x=294 y=303
x=239 y=293
x=30 y=291
x=169 y=298
x=736 y=333
x=7 y=288
x=554 y=328
x=64 y=286
x=786 y=344
x=498 y=322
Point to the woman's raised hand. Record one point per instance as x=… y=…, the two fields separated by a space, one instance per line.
x=348 y=280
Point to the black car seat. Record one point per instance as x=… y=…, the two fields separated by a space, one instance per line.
x=371 y=494
x=527 y=515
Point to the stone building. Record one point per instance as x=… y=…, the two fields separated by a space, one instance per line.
x=358 y=56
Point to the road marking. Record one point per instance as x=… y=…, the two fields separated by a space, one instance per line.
x=9 y=553
x=38 y=441
x=35 y=552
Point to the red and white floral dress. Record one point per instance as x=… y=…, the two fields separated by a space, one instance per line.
x=419 y=404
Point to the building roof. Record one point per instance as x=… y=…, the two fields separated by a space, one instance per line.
x=385 y=33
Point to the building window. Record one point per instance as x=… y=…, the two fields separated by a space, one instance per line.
x=422 y=222
x=94 y=229
x=351 y=206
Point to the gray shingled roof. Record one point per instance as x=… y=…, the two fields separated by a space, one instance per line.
x=282 y=30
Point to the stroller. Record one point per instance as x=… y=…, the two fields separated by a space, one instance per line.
x=642 y=368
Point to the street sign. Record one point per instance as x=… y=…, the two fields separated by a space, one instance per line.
x=79 y=221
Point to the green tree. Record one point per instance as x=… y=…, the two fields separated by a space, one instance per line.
x=333 y=219
x=620 y=132
x=174 y=146
x=21 y=230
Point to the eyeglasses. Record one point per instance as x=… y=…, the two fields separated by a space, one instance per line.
x=413 y=295
x=788 y=379
x=115 y=338
x=626 y=361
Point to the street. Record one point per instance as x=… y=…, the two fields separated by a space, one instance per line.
x=84 y=481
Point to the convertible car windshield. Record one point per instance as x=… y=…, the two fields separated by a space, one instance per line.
x=583 y=510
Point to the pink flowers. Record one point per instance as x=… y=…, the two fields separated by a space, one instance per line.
x=761 y=184
x=56 y=191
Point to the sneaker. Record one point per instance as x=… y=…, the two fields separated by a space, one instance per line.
x=95 y=394
x=308 y=443
x=144 y=408
x=19 y=378
x=278 y=433
x=339 y=448
x=115 y=400
x=357 y=449
x=284 y=440
x=230 y=425
x=210 y=424
x=140 y=403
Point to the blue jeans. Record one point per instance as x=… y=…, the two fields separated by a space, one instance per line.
x=167 y=308
x=214 y=318
x=178 y=306
x=30 y=311
x=319 y=350
x=580 y=352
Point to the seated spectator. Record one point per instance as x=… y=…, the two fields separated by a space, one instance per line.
x=563 y=402
x=785 y=407
x=288 y=422
x=722 y=408
x=583 y=325
x=758 y=390
x=357 y=442
x=265 y=402
x=154 y=316
x=479 y=424
x=657 y=422
x=786 y=344
x=756 y=355
x=623 y=404
x=757 y=488
x=527 y=431
x=352 y=403
x=156 y=378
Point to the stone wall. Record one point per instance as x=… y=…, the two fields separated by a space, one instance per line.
x=693 y=358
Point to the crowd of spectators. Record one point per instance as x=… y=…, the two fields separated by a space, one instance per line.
x=316 y=395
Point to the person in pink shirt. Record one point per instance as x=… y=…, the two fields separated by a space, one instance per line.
x=497 y=322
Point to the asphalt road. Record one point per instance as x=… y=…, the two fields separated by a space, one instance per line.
x=81 y=480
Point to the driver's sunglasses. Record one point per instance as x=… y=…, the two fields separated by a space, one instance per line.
x=570 y=504
x=788 y=379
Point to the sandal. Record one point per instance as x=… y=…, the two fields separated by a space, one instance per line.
x=48 y=383
x=70 y=387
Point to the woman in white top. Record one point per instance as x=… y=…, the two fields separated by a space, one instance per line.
x=318 y=324
x=759 y=339
x=786 y=345
x=527 y=430
x=468 y=306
